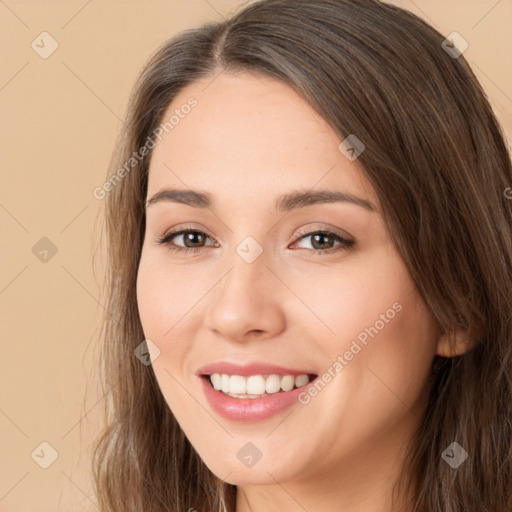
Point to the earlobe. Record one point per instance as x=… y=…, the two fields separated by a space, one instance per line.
x=453 y=343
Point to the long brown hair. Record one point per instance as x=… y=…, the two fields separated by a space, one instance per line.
x=437 y=158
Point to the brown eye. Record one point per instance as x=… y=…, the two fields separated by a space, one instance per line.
x=192 y=240
x=324 y=241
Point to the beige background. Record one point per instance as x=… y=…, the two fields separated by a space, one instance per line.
x=59 y=120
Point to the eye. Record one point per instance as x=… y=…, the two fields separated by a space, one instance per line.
x=319 y=244
x=189 y=236
x=196 y=238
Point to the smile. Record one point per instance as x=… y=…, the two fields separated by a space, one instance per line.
x=257 y=386
x=280 y=392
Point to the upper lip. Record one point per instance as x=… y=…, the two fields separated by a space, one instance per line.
x=247 y=369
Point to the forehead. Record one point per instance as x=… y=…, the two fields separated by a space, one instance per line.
x=250 y=135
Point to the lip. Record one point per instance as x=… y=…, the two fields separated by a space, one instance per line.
x=246 y=370
x=250 y=409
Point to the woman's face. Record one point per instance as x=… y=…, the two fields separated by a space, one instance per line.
x=260 y=285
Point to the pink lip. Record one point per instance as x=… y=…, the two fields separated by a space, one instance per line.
x=256 y=368
x=249 y=409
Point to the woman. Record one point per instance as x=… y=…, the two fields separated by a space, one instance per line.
x=310 y=258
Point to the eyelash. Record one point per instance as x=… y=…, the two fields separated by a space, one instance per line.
x=344 y=243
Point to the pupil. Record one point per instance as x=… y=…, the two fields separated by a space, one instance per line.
x=320 y=236
x=190 y=236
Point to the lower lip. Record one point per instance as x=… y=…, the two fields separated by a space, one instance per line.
x=249 y=409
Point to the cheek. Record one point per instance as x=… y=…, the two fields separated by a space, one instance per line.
x=166 y=296
x=349 y=300
x=386 y=339
x=162 y=310
x=388 y=344
x=404 y=338
x=163 y=304
x=381 y=328
x=404 y=353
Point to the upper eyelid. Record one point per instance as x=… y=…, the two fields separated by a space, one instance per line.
x=185 y=229
x=326 y=230
x=316 y=226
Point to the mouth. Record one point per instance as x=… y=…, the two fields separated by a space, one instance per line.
x=252 y=391
x=254 y=397
x=256 y=386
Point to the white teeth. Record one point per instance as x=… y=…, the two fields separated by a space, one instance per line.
x=216 y=380
x=225 y=383
x=256 y=386
x=301 y=380
x=273 y=384
x=287 y=382
x=237 y=384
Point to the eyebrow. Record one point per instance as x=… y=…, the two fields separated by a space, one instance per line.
x=284 y=203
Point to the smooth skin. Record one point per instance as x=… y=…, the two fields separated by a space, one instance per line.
x=249 y=140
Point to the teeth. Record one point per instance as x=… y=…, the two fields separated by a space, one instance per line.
x=256 y=386
x=225 y=383
x=237 y=384
x=301 y=380
x=273 y=384
x=216 y=380
x=287 y=382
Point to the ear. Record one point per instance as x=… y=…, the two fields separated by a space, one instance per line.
x=453 y=343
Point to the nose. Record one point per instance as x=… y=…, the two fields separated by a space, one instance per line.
x=247 y=302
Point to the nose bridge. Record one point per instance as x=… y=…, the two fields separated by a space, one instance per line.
x=249 y=271
x=245 y=300
x=248 y=267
